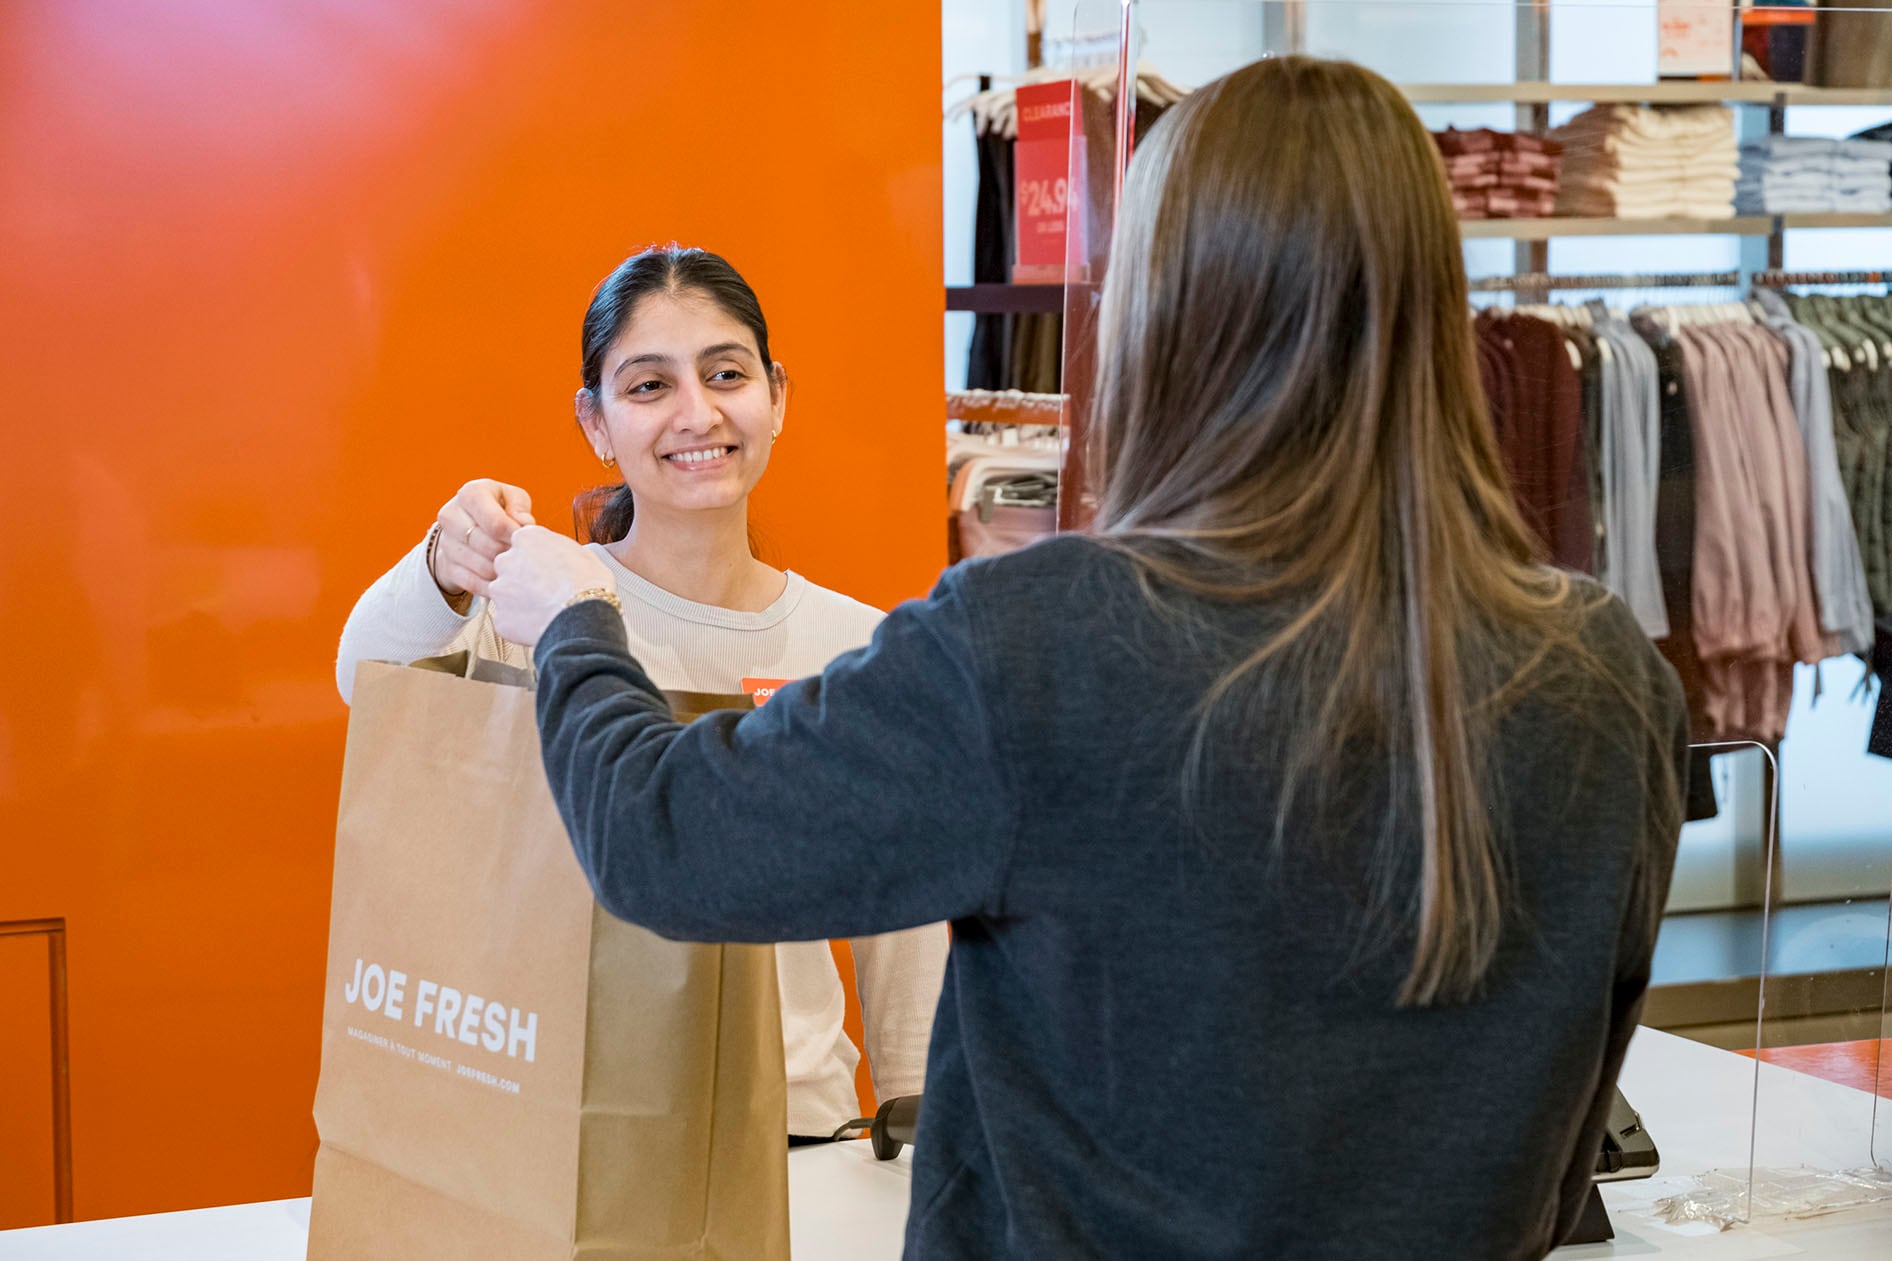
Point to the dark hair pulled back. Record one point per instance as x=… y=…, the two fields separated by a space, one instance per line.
x=670 y=269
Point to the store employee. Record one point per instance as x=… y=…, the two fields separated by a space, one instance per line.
x=1304 y=837
x=682 y=401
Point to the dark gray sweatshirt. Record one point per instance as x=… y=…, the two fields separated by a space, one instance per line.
x=1155 y=1039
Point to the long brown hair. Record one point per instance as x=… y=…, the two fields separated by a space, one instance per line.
x=1288 y=409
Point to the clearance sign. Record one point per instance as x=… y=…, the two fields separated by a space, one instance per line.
x=1049 y=167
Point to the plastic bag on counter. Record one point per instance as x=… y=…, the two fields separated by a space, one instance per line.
x=1720 y=1197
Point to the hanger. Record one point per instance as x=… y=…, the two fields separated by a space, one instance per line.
x=974 y=76
x=995 y=110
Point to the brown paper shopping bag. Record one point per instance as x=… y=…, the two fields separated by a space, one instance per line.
x=508 y=1071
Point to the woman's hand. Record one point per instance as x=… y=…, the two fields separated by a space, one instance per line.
x=476 y=525
x=537 y=577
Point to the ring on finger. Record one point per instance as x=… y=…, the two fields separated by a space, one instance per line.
x=469 y=534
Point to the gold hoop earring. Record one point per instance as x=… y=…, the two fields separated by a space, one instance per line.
x=609 y=461
x=774 y=436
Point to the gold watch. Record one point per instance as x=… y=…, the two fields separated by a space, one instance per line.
x=606 y=594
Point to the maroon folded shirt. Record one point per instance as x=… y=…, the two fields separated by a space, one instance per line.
x=1503 y=204
x=1507 y=166
x=1453 y=142
x=1529 y=163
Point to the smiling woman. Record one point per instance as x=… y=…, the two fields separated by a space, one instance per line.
x=680 y=395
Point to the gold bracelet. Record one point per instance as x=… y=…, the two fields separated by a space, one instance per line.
x=458 y=603
x=609 y=596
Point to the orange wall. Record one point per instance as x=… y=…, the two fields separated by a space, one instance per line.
x=277 y=279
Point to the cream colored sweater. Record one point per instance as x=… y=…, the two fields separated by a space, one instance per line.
x=691 y=647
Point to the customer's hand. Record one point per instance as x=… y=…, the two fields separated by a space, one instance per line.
x=537 y=576
x=476 y=525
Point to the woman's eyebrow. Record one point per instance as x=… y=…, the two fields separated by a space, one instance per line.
x=652 y=357
x=724 y=348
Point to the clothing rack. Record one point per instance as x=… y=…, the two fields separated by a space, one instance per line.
x=1788 y=279
x=1005 y=407
x=1541 y=282
x=1626 y=483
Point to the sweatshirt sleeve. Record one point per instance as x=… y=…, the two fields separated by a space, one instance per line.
x=402 y=617
x=898 y=976
x=864 y=800
x=1642 y=922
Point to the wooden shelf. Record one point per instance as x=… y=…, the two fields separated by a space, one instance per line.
x=1836 y=221
x=1673 y=92
x=1546 y=229
x=1049 y=299
x=1837 y=96
x=1744 y=225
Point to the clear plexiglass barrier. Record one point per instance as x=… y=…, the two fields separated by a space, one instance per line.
x=1765 y=238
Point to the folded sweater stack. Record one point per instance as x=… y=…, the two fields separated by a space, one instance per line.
x=1649 y=162
x=1500 y=174
x=1783 y=175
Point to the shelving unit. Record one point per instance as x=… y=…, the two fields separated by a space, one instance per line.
x=1548 y=228
x=1672 y=92
x=1049 y=299
x=1837 y=96
x=1533 y=97
x=1834 y=221
x=1745 y=225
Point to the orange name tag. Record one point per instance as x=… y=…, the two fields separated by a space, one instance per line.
x=760 y=690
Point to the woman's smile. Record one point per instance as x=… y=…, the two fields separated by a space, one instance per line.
x=699 y=459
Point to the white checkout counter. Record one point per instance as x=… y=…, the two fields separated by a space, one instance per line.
x=1696 y=1102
